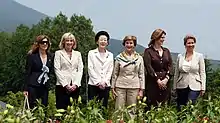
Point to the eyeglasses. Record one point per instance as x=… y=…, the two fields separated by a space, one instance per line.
x=43 y=42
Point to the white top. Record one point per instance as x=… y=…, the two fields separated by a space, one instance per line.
x=103 y=55
x=186 y=65
x=100 y=67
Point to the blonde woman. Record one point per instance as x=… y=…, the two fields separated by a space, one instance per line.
x=128 y=80
x=38 y=68
x=68 y=68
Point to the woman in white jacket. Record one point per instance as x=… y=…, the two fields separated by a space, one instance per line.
x=100 y=67
x=190 y=76
x=68 y=67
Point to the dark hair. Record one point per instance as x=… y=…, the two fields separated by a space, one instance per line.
x=130 y=37
x=156 y=35
x=101 y=33
x=189 y=37
x=35 y=46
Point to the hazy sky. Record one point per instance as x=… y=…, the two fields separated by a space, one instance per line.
x=141 y=17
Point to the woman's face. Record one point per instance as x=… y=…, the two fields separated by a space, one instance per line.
x=69 y=43
x=102 y=42
x=190 y=45
x=44 y=44
x=129 y=45
x=161 y=40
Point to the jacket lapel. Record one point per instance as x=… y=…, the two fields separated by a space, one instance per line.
x=38 y=60
x=65 y=55
x=193 y=60
x=181 y=58
x=97 y=55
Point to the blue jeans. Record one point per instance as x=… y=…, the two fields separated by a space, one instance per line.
x=184 y=95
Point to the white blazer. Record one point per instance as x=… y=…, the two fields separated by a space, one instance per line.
x=195 y=78
x=100 y=70
x=68 y=70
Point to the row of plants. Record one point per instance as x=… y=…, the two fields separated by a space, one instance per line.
x=207 y=110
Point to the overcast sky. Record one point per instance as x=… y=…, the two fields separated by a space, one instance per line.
x=141 y=17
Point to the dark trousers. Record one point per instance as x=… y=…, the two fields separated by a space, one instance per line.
x=37 y=93
x=184 y=95
x=99 y=94
x=63 y=97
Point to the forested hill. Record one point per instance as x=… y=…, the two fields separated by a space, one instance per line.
x=13 y=14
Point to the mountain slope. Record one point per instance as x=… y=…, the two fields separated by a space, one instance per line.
x=13 y=14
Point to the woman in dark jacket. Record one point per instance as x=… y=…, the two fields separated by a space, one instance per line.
x=158 y=63
x=38 y=67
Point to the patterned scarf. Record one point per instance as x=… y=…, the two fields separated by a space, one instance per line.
x=125 y=61
x=44 y=76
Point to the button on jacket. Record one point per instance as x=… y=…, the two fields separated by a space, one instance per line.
x=68 y=70
x=99 y=69
x=195 y=78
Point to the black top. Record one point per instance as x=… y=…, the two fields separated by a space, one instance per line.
x=33 y=69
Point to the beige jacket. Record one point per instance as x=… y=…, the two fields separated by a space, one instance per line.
x=195 y=78
x=128 y=74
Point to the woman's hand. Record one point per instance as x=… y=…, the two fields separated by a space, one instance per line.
x=161 y=84
x=25 y=93
x=202 y=92
x=114 y=93
x=164 y=82
x=140 y=93
x=102 y=85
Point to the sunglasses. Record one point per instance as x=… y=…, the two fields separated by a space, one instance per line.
x=43 y=42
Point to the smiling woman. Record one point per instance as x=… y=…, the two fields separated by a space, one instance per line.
x=128 y=80
x=68 y=68
x=100 y=67
x=38 y=67
x=190 y=76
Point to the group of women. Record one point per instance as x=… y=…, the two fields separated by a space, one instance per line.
x=128 y=75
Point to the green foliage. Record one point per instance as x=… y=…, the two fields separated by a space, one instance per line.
x=207 y=110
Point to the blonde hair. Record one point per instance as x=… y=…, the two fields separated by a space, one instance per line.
x=35 y=46
x=64 y=37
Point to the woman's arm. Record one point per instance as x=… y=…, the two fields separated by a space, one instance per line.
x=141 y=74
x=79 y=70
x=202 y=72
x=57 y=67
x=176 y=73
x=92 y=74
x=28 y=68
x=115 y=73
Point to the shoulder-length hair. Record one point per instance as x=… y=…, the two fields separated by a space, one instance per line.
x=155 y=36
x=64 y=37
x=35 y=47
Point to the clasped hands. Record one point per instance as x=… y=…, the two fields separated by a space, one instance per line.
x=102 y=85
x=71 y=88
x=162 y=83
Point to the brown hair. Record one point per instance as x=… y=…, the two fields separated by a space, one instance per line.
x=35 y=46
x=155 y=36
x=189 y=36
x=130 y=37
